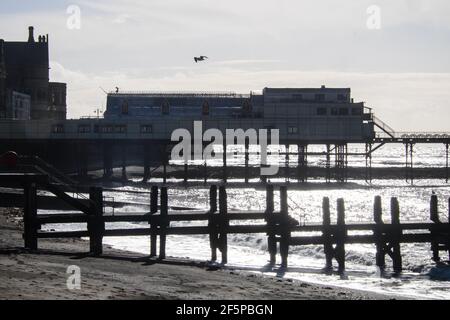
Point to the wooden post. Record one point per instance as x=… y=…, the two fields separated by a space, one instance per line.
x=96 y=225
x=212 y=223
x=270 y=220
x=326 y=233
x=285 y=230
x=434 y=216
x=223 y=224
x=30 y=216
x=379 y=237
x=164 y=223
x=395 y=236
x=153 y=220
x=340 y=236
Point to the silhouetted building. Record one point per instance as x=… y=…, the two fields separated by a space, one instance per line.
x=24 y=69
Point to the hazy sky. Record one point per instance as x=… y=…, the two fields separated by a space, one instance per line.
x=402 y=69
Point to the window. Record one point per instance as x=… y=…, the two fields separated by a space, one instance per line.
x=58 y=128
x=320 y=97
x=342 y=97
x=205 y=108
x=292 y=130
x=321 y=111
x=356 y=111
x=125 y=108
x=343 y=111
x=297 y=97
x=107 y=129
x=84 y=128
x=120 y=129
x=146 y=128
x=165 y=107
x=334 y=111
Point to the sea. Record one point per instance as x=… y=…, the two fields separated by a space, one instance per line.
x=420 y=278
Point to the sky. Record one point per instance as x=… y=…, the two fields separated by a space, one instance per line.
x=394 y=55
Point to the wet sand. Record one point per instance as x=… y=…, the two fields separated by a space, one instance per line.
x=126 y=275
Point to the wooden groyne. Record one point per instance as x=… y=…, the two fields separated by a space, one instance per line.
x=281 y=229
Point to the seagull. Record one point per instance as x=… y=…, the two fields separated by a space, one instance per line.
x=117 y=89
x=201 y=58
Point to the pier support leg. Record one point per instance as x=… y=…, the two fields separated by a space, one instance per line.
x=124 y=164
x=302 y=167
x=147 y=169
x=328 y=165
x=185 y=175
x=286 y=164
x=225 y=169
x=107 y=161
x=409 y=165
x=205 y=172
x=82 y=162
x=369 y=162
x=246 y=160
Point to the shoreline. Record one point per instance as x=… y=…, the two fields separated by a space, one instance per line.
x=126 y=275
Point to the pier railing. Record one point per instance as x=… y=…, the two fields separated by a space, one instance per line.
x=279 y=226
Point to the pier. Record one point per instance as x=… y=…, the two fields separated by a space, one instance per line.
x=219 y=222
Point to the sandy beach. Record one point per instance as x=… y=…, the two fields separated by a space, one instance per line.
x=126 y=275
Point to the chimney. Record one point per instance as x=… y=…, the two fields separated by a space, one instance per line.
x=30 y=34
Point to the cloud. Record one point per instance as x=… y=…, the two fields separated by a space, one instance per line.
x=406 y=101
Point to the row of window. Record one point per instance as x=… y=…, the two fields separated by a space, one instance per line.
x=86 y=128
x=339 y=111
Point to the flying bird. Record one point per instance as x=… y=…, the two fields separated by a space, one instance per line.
x=201 y=58
x=117 y=89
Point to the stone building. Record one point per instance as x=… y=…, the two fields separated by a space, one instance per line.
x=24 y=70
